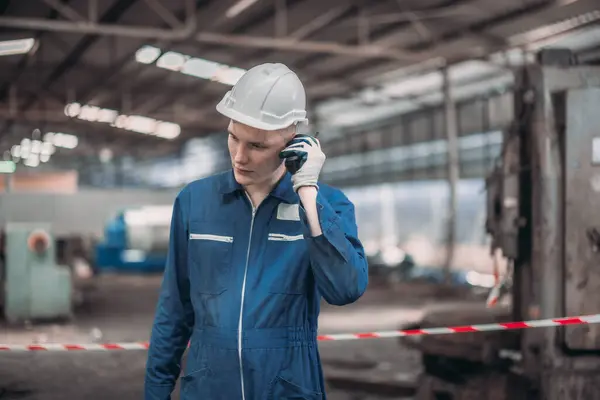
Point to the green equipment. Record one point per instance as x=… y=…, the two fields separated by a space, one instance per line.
x=35 y=287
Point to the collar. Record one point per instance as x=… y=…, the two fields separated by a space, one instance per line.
x=228 y=184
x=283 y=190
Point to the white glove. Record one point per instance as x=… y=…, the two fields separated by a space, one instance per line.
x=304 y=159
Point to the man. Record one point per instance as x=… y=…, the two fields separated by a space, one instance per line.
x=252 y=251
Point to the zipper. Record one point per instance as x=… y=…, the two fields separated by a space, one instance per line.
x=284 y=238
x=216 y=238
x=240 y=323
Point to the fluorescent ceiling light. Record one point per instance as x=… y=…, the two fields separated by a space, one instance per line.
x=134 y=123
x=60 y=139
x=47 y=148
x=147 y=54
x=239 y=7
x=15 y=151
x=192 y=66
x=32 y=161
x=229 y=75
x=32 y=152
x=19 y=46
x=167 y=130
x=200 y=68
x=171 y=60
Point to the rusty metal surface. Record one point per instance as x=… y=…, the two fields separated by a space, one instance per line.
x=541 y=276
x=582 y=220
x=572 y=385
x=547 y=169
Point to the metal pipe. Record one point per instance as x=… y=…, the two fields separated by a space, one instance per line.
x=91 y=28
x=287 y=44
x=319 y=22
x=93 y=10
x=64 y=10
x=281 y=18
x=363 y=27
x=409 y=16
x=416 y=22
x=164 y=13
x=453 y=170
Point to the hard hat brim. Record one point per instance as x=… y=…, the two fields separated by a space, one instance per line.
x=253 y=122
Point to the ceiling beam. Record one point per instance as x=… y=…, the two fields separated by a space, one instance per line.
x=317 y=22
x=65 y=10
x=70 y=61
x=167 y=16
x=94 y=93
x=88 y=27
x=294 y=45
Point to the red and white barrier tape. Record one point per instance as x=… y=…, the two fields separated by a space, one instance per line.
x=541 y=323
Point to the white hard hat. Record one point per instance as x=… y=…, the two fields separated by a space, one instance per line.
x=268 y=96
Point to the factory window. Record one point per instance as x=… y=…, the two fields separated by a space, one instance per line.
x=471 y=117
x=374 y=139
x=420 y=127
x=396 y=132
x=356 y=143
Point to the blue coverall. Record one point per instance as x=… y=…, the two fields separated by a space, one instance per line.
x=244 y=285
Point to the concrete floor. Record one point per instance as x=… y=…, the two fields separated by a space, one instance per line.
x=122 y=309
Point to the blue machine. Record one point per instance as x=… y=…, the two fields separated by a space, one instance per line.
x=136 y=240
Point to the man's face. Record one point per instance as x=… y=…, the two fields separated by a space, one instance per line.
x=255 y=153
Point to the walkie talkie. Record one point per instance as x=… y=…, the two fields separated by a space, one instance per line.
x=294 y=160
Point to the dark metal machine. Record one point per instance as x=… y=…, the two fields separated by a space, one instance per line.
x=556 y=259
x=543 y=201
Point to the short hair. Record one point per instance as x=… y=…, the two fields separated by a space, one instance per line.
x=290 y=129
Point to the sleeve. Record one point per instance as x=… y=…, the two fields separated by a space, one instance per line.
x=337 y=256
x=174 y=317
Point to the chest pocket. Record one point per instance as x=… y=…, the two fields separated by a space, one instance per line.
x=286 y=258
x=210 y=250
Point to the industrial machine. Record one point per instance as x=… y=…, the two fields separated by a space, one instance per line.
x=135 y=240
x=34 y=286
x=543 y=216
